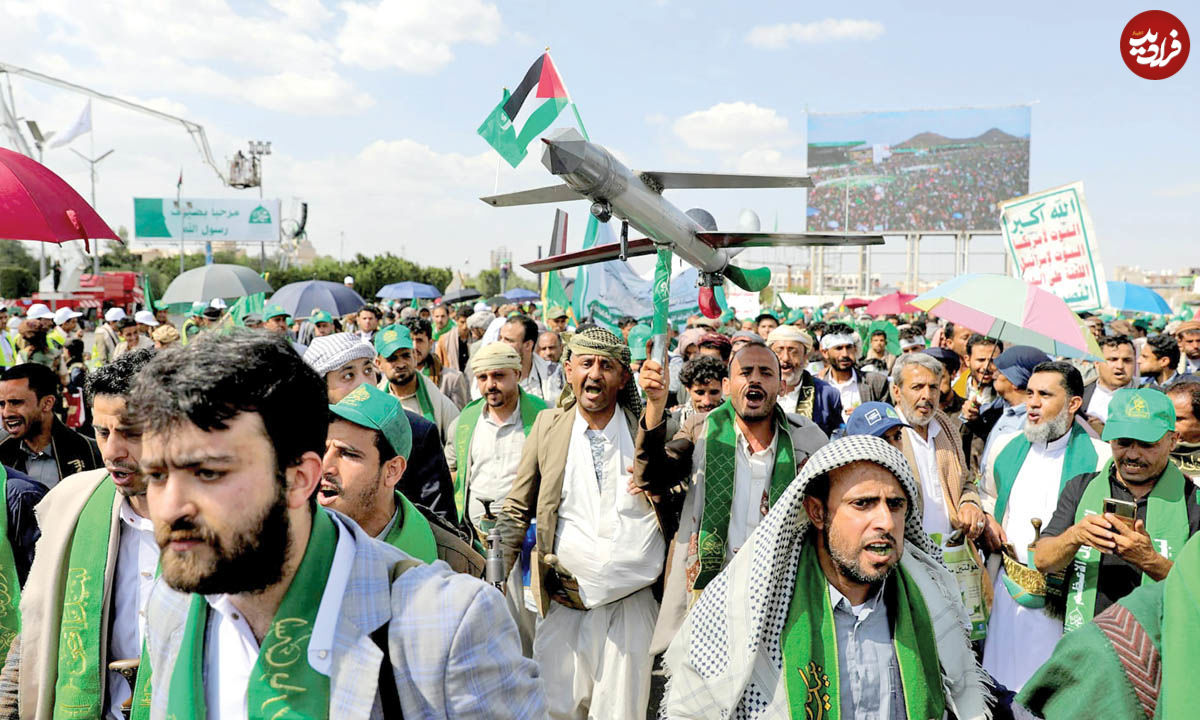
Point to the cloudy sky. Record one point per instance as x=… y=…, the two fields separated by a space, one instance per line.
x=372 y=106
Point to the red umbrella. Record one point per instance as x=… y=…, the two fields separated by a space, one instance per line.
x=852 y=303
x=36 y=204
x=893 y=304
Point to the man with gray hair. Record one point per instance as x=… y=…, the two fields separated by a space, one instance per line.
x=802 y=393
x=839 y=606
x=1027 y=473
x=949 y=497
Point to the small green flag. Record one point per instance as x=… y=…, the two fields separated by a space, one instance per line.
x=499 y=132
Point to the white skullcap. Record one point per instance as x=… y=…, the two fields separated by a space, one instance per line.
x=328 y=353
x=790 y=333
x=114 y=314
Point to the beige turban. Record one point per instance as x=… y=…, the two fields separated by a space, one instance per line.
x=165 y=334
x=790 y=333
x=495 y=356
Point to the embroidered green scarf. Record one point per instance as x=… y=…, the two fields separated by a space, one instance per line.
x=423 y=400
x=810 y=651
x=1166 y=522
x=528 y=405
x=806 y=398
x=411 y=533
x=78 y=688
x=1181 y=615
x=282 y=685
x=10 y=588
x=1080 y=458
x=720 y=459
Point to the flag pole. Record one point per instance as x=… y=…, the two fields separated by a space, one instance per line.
x=179 y=206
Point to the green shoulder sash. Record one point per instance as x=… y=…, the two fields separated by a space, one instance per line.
x=1181 y=613
x=810 y=651
x=282 y=684
x=1166 y=522
x=720 y=459
x=528 y=405
x=1080 y=458
x=10 y=588
x=412 y=533
x=78 y=688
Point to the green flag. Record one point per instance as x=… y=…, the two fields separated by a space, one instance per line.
x=498 y=130
x=243 y=306
x=554 y=295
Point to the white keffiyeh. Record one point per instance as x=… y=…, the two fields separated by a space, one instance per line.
x=727 y=659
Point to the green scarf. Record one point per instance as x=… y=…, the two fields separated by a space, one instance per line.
x=810 y=651
x=529 y=407
x=1166 y=522
x=1181 y=614
x=1080 y=458
x=282 y=684
x=78 y=690
x=411 y=533
x=422 y=396
x=10 y=588
x=720 y=458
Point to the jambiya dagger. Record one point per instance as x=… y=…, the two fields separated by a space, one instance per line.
x=590 y=172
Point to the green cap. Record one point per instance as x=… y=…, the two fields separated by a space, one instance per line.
x=16 y=310
x=370 y=407
x=638 y=335
x=555 y=312
x=1143 y=414
x=392 y=338
x=320 y=316
x=1142 y=323
x=160 y=305
x=275 y=311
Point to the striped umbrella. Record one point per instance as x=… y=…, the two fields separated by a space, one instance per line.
x=1011 y=310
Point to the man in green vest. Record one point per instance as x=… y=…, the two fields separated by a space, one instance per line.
x=838 y=606
x=92 y=572
x=397 y=362
x=194 y=323
x=271 y=606
x=483 y=455
x=1106 y=553
x=366 y=454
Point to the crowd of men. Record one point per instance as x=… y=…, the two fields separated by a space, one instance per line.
x=478 y=512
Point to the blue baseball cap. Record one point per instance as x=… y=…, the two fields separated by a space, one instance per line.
x=873 y=418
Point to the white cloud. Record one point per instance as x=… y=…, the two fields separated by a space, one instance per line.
x=733 y=126
x=415 y=36
x=1179 y=191
x=779 y=36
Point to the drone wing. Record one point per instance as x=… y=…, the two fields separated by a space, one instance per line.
x=773 y=239
x=551 y=194
x=594 y=254
x=715 y=181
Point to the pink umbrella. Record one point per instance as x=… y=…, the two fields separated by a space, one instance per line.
x=36 y=204
x=854 y=303
x=893 y=304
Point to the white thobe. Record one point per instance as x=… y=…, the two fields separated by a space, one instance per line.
x=751 y=487
x=935 y=516
x=1098 y=407
x=495 y=453
x=851 y=397
x=231 y=650
x=596 y=662
x=1020 y=639
x=137 y=561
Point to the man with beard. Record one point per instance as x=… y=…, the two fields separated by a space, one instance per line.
x=35 y=441
x=599 y=549
x=982 y=407
x=949 y=497
x=322 y=323
x=1116 y=372
x=451 y=382
x=1188 y=337
x=397 y=362
x=271 y=606
x=955 y=338
x=802 y=393
x=92 y=573
x=550 y=347
x=840 y=347
x=838 y=607
x=1013 y=368
x=366 y=455
x=1185 y=396
x=749 y=451
x=538 y=377
x=440 y=316
x=346 y=362
x=1030 y=469
x=454 y=347
x=1157 y=362
x=367 y=320
x=483 y=456
x=556 y=319
x=1107 y=556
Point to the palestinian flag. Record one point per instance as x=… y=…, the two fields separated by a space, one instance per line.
x=518 y=120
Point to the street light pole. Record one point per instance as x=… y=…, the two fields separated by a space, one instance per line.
x=258 y=150
x=92 y=162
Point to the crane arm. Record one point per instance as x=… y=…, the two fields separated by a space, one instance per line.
x=195 y=130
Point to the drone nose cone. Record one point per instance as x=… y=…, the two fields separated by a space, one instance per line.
x=562 y=158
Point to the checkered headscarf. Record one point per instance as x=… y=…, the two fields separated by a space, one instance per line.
x=598 y=341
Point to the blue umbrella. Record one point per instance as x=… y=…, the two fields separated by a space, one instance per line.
x=520 y=294
x=1135 y=298
x=408 y=290
x=301 y=298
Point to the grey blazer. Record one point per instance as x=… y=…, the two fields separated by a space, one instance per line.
x=454 y=648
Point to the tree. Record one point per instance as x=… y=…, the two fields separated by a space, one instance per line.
x=488 y=282
x=15 y=253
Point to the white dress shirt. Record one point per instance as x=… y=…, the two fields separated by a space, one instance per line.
x=851 y=397
x=751 y=487
x=608 y=539
x=137 y=562
x=1101 y=397
x=1020 y=639
x=492 y=464
x=231 y=650
x=935 y=517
